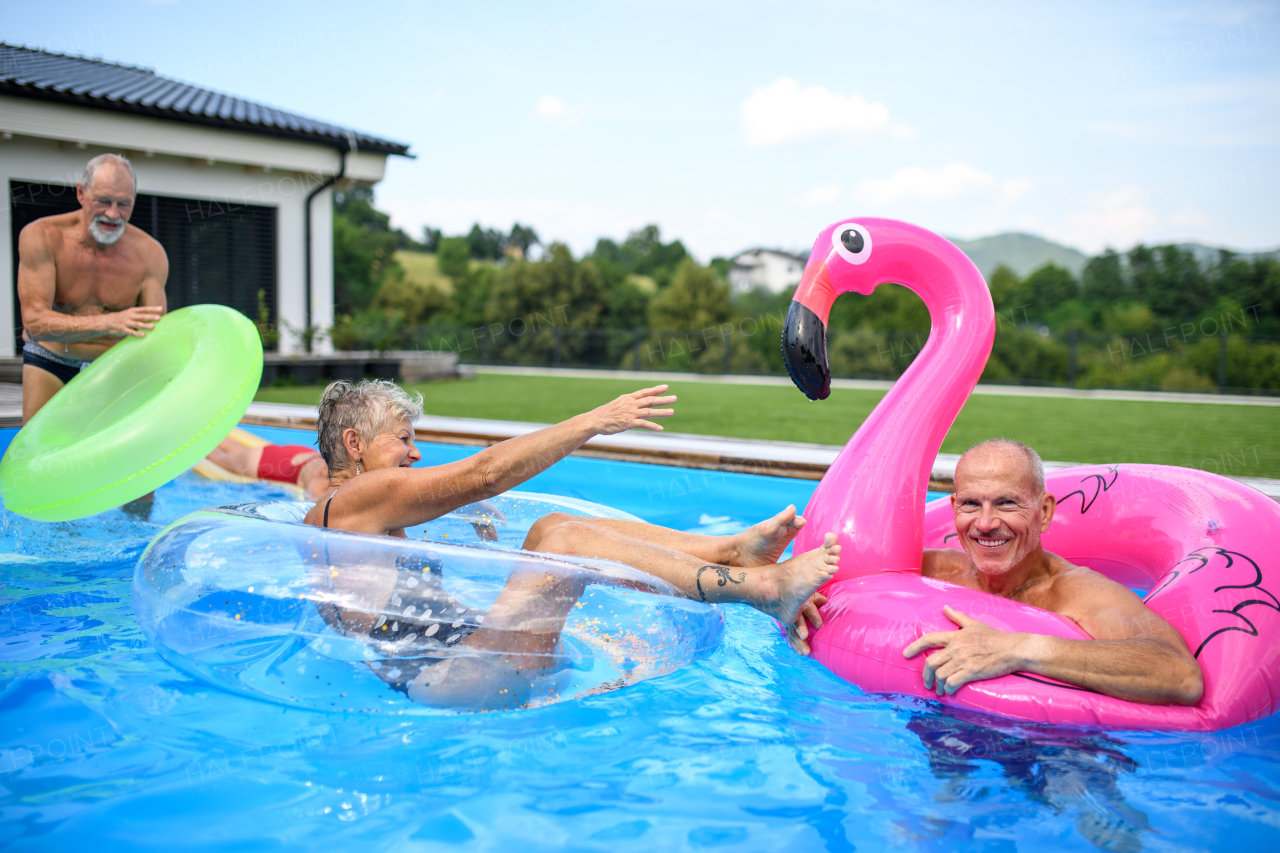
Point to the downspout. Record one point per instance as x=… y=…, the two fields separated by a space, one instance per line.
x=342 y=170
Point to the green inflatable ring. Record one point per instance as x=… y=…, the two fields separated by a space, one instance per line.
x=141 y=414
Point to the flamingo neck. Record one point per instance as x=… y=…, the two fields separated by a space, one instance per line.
x=874 y=493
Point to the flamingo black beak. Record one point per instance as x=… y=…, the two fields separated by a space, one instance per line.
x=804 y=349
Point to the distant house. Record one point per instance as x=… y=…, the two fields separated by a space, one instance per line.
x=231 y=188
x=774 y=270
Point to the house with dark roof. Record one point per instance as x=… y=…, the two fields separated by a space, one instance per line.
x=237 y=192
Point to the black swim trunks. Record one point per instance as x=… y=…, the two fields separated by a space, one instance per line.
x=60 y=366
x=422 y=623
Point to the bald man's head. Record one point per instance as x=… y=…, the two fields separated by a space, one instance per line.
x=1000 y=505
x=1013 y=458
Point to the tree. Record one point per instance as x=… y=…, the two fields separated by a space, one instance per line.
x=1179 y=289
x=1048 y=289
x=486 y=244
x=697 y=298
x=453 y=257
x=628 y=304
x=1103 y=278
x=431 y=239
x=890 y=307
x=646 y=254
x=555 y=302
x=1006 y=290
x=362 y=259
x=522 y=238
x=642 y=253
x=418 y=304
x=692 y=325
x=1255 y=287
x=364 y=247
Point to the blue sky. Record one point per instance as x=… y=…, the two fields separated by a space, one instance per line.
x=740 y=124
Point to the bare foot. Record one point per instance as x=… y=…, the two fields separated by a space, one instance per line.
x=762 y=544
x=799 y=578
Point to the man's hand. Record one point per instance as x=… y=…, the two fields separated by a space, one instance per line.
x=798 y=634
x=132 y=321
x=630 y=410
x=973 y=653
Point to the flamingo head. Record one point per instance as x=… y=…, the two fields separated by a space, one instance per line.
x=843 y=259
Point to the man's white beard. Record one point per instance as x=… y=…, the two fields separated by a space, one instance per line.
x=102 y=235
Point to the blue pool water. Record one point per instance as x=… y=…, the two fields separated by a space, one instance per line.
x=104 y=745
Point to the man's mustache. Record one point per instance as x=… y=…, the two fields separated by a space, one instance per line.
x=103 y=219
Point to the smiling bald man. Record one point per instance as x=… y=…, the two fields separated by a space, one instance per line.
x=1001 y=510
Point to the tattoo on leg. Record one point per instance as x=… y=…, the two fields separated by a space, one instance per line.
x=725 y=577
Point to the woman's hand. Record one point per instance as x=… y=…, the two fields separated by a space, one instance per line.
x=630 y=410
x=798 y=633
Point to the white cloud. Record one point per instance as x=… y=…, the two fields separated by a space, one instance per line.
x=819 y=195
x=783 y=112
x=549 y=106
x=1121 y=217
x=1013 y=189
x=1189 y=217
x=1127 y=130
x=944 y=183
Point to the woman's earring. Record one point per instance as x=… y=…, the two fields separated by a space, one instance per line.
x=357 y=469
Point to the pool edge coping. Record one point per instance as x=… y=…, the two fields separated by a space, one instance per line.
x=793 y=460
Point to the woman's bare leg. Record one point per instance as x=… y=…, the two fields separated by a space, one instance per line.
x=778 y=589
x=760 y=545
x=522 y=628
x=516 y=643
x=234 y=457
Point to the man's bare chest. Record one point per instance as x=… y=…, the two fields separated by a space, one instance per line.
x=87 y=279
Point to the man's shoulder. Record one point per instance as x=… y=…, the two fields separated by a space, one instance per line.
x=1074 y=582
x=946 y=564
x=47 y=231
x=145 y=245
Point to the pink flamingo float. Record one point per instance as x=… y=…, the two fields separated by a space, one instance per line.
x=1208 y=547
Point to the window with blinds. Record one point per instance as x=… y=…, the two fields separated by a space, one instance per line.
x=218 y=252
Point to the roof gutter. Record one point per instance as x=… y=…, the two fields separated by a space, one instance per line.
x=342 y=170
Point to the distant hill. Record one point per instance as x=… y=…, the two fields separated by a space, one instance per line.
x=1209 y=255
x=1022 y=253
x=1025 y=253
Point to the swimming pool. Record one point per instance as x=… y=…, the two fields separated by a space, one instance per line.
x=101 y=742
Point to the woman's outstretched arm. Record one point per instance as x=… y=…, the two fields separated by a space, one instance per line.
x=394 y=498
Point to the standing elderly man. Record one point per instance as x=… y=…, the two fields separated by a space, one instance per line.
x=85 y=280
x=1001 y=510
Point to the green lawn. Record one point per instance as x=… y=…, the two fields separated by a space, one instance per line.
x=421 y=268
x=1239 y=440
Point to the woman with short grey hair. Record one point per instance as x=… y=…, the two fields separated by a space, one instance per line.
x=366 y=436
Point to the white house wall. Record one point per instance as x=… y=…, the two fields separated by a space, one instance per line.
x=25 y=158
x=117 y=131
x=321 y=266
x=774 y=271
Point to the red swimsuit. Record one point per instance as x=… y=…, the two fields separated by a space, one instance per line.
x=277 y=462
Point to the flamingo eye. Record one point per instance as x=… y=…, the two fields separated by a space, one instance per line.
x=852 y=242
